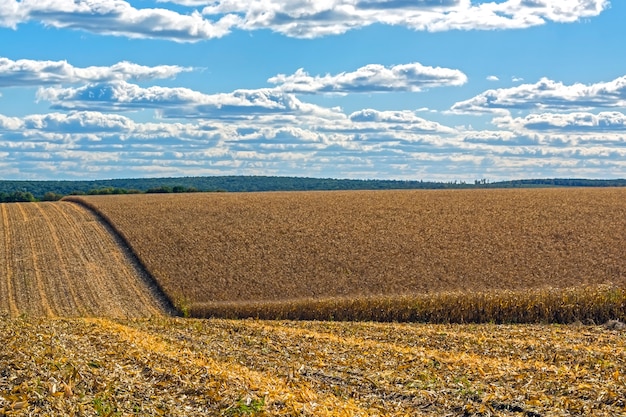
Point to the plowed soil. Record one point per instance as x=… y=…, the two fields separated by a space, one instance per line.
x=59 y=259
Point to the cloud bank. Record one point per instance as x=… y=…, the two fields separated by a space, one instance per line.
x=567 y=122
x=290 y=18
x=177 y=102
x=314 y=19
x=367 y=143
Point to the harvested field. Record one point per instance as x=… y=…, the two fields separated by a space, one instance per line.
x=179 y=367
x=261 y=254
x=58 y=259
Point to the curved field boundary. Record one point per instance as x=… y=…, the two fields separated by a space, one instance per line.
x=59 y=259
x=153 y=284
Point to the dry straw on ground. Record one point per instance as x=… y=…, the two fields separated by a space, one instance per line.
x=176 y=367
x=377 y=253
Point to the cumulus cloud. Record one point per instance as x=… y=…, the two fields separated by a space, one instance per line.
x=178 y=102
x=292 y=18
x=567 y=122
x=371 y=78
x=26 y=72
x=492 y=78
x=547 y=94
x=366 y=143
x=115 y=17
x=500 y=138
x=78 y=122
x=396 y=120
x=10 y=123
x=313 y=19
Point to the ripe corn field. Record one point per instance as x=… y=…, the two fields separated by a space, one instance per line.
x=525 y=255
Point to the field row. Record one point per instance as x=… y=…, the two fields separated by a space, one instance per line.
x=58 y=259
x=220 y=367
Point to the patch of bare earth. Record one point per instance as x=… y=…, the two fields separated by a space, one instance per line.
x=59 y=259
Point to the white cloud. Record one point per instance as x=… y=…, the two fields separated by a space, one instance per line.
x=308 y=19
x=179 y=102
x=78 y=122
x=547 y=95
x=365 y=144
x=412 y=77
x=115 y=17
x=566 y=122
x=10 y=123
x=26 y=72
x=305 y=19
x=386 y=121
x=492 y=78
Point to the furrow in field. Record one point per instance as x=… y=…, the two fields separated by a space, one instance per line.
x=8 y=296
x=60 y=260
x=29 y=289
x=18 y=275
x=84 y=258
x=62 y=265
x=117 y=274
x=49 y=266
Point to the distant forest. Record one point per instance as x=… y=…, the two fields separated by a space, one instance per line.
x=11 y=191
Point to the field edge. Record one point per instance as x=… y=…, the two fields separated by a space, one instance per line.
x=585 y=304
x=156 y=290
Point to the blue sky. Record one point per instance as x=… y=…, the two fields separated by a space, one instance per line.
x=378 y=89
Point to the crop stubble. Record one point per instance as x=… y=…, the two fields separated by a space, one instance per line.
x=58 y=259
x=218 y=367
x=225 y=252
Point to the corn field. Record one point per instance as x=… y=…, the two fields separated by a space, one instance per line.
x=526 y=255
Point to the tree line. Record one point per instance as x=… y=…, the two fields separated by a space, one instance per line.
x=27 y=196
x=54 y=190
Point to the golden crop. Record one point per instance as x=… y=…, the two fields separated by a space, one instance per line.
x=453 y=255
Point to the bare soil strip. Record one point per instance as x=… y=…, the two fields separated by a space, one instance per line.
x=60 y=260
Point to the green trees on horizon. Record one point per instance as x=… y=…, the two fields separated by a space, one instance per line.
x=24 y=191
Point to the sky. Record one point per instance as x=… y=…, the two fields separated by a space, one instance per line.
x=433 y=90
